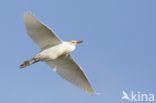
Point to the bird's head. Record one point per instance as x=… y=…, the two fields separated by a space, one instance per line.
x=74 y=42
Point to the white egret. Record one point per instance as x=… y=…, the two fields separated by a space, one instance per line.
x=56 y=53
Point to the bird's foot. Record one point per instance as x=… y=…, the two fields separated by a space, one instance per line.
x=26 y=63
x=29 y=62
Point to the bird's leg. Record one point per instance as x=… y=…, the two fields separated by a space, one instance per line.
x=35 y=61
x=27 y=63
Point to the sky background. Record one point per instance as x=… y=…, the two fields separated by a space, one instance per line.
x=119 y=52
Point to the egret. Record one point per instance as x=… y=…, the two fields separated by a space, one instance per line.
x=56 y=53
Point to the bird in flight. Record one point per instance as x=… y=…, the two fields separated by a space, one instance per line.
x=56 y=53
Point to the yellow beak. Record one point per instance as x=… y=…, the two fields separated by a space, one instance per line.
x=78 y=42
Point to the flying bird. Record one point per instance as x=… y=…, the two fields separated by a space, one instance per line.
x=56 y=53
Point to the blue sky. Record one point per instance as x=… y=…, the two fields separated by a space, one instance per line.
x=119 y=51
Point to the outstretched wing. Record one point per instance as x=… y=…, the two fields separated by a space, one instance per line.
x=67 y=68
x=40 y=33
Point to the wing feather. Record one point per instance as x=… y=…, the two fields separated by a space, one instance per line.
x=39 y=32
x=67 y=68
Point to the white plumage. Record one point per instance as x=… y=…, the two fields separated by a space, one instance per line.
x=56 y=53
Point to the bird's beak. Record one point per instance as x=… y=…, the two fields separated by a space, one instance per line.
x=78 y=42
